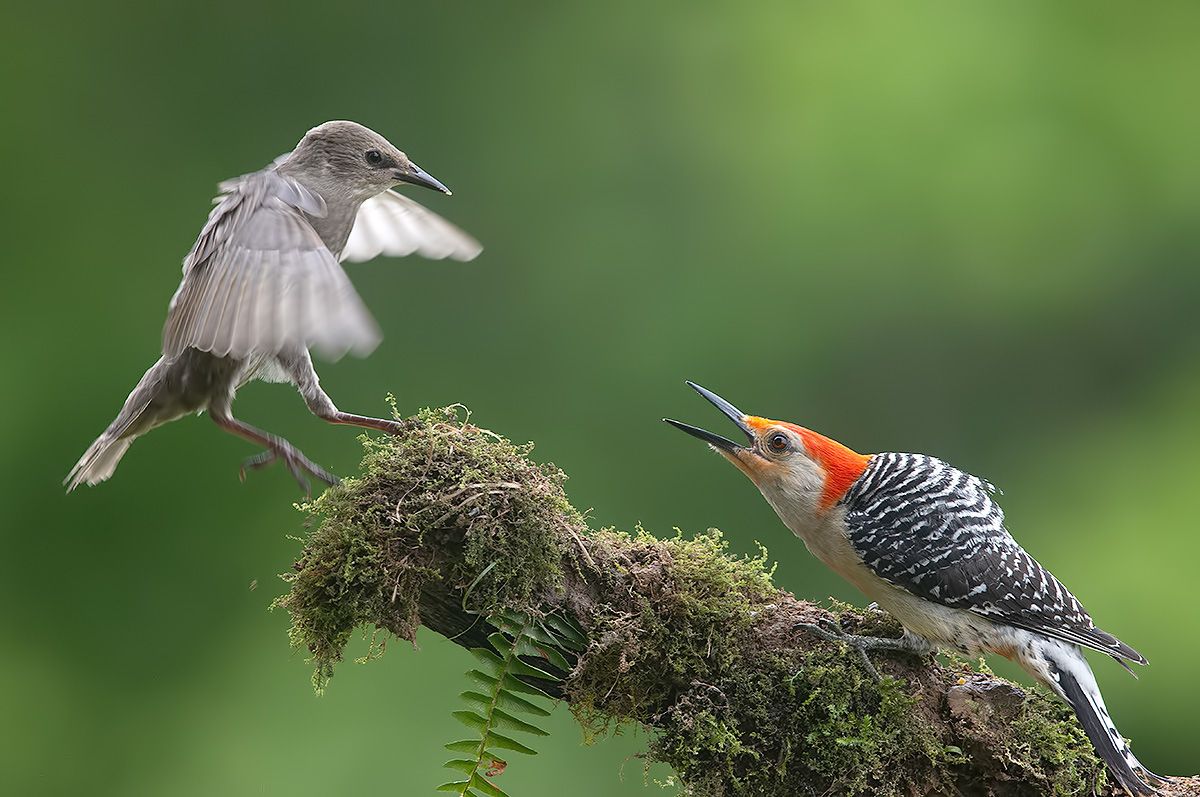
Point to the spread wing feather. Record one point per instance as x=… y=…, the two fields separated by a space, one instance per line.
x=260 y=280
x=392 y=224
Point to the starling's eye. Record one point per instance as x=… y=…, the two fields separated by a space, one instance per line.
x=778 y=443
x=374 y=157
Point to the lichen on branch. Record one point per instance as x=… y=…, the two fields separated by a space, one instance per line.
x=450 y=521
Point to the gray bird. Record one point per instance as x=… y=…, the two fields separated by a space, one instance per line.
x=262 y=285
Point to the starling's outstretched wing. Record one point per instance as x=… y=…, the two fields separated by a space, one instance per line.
x=259 y=280
x=935 y=531
x=392 y=224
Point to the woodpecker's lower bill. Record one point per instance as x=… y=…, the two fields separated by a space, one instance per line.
x=928 y=544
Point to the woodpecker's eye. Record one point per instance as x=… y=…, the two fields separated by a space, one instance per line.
x=778 y=443
x=374 y=157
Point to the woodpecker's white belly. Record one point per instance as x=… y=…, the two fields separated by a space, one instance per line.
x=943 y=626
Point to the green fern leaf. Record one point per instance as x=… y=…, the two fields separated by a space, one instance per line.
x=507 y=743
x=489 y=659
x=477 y=699
x=536 y=649
x=503 y=700
x=504 y=644
x=543 y=636
x=463 y=765
x=465 y=746
x=483 y=679
x=502 y=719
x=570 y=635
x=471 y=720
x=510 y=701
x=518 y=667
x=486 y=787
x=512 y=684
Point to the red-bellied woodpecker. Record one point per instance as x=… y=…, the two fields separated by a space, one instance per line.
x=928 y=544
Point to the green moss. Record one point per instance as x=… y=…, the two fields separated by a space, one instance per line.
x=699 y=636
x=1051 y=747
x=692 y=598
x=446 y=500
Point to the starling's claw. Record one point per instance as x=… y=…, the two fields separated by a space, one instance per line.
x=297 y=464
x=257 y=462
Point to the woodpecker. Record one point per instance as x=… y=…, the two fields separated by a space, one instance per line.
x=928 y=543
x=263 y=284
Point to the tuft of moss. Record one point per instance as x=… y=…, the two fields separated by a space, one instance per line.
x=702 y=633
x=446 y=500
x=682 y=601
x=1048 y=744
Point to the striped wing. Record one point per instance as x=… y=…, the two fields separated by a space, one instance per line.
x=935 y=531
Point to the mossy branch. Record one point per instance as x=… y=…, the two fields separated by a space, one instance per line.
x=449 y=522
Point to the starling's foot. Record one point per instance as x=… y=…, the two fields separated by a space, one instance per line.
x=828 y=630
x=397 y=427
x=297 y=464
x=386 y=425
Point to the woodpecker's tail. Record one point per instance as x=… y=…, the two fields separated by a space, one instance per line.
x=1072 y=678
x=99 y=461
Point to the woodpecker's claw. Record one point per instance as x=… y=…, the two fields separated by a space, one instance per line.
x=828 y=630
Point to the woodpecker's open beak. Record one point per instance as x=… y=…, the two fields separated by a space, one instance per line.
x=415 y=175
x=715 y=440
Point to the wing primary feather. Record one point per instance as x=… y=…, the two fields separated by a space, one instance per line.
x=392 y=224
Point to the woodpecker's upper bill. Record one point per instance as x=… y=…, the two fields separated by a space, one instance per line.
x=721 y=444
x=783 y=456
x=768 y=442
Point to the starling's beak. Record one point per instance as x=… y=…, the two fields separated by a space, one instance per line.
x=715 y=440
x=415 y=175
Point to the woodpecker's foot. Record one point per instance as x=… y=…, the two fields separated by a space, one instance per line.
x=828 y=630
x=297 y=464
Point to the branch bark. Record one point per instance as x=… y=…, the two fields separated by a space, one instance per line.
x=693 y=643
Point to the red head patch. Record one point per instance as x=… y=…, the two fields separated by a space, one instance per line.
x=842 y=465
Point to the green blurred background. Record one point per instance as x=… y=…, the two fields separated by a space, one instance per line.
x=962 y=229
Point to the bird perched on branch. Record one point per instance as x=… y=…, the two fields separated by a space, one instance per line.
x=928 y=544
x=262 y=285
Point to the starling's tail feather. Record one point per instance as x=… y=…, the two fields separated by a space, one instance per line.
x=135 y=418
x=99 y=461
x=1078 y=687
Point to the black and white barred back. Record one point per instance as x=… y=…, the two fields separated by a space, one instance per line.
x=935 y=531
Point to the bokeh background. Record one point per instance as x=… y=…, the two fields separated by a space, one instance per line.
x=962 y=229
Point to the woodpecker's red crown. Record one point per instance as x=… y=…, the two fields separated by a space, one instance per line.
x=842 y=465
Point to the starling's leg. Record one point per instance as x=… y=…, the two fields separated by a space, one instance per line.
x=300 y=368
x=829 y=630
x=276 y=448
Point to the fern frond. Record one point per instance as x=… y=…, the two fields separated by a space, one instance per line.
x=493 y=707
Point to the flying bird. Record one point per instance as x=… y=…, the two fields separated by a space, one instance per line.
x=263 y=285
x=928 y=544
